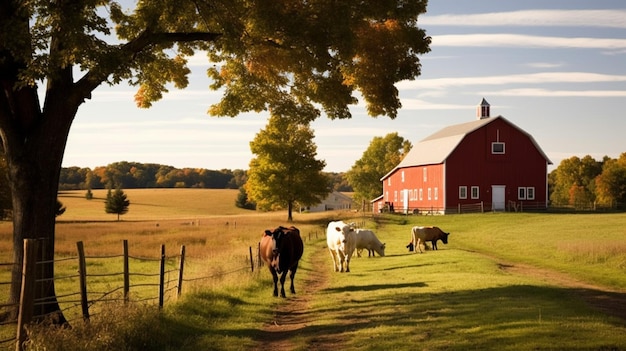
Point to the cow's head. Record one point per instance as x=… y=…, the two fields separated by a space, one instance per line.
x=444 y=237
x=277 y=246
x=411 y=247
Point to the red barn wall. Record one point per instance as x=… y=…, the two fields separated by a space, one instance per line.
x=423 y=186
x=473 y=164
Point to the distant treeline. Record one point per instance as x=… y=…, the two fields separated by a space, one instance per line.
x=132 y=175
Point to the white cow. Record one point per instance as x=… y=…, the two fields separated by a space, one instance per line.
x=366 y=239
x=341 y=240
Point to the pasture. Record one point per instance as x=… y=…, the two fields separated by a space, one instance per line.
x=505 y=281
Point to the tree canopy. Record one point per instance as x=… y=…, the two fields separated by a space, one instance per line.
x=285 y=171
x=582 y=182
x=116 y=202
x=381 y=156
x=297 y=58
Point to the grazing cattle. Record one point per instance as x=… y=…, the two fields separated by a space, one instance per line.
x=282 y=249
x=341 y=241
x=366 y=239
x=420 y=235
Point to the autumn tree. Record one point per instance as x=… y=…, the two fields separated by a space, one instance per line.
x=282 y=55
x=381 y=156
x=285 y=171
x=611 y=183
x=574 y=181
x=116 y=202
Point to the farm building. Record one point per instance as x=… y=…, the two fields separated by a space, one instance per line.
x=334 y=201
x=488 y=164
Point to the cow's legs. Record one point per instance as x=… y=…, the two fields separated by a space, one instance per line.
x=275 y=277
x=292 y=274
x=282 y=284
x=419 y=244
x=335 y=260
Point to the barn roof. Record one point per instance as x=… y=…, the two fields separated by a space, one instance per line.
x=436 y=148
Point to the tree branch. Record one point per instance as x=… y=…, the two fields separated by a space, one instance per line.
x=126 y=53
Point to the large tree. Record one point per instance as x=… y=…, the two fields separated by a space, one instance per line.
x=283 y=54
x=381 y=156
x=285 y=171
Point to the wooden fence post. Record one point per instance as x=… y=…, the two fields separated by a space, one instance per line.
x=27 y=297
x=251 y=260
x=126 y=273
x=82 y=272
x=180 y=269
x=162 y=277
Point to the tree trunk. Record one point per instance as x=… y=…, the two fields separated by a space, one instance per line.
x=34 y=148
x=289 y=211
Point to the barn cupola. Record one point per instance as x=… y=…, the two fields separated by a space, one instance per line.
x=482 y=110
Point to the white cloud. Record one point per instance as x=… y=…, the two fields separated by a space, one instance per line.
x=528 y=18
x=544 y=64
x=556 y=93
x=526 y=41
x=533 y=78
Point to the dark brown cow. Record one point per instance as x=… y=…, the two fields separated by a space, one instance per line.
x=282 y=249
x=420 y=235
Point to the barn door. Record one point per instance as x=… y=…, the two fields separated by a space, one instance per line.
x=497 y=197
x=406 y=200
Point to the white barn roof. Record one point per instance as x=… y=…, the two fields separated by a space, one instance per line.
x=436 y=148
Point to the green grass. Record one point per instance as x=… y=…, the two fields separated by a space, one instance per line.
x=457 y=298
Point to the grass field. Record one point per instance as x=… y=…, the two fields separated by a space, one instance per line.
x=466 y=296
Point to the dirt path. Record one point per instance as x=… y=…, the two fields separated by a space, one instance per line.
x=294 y=315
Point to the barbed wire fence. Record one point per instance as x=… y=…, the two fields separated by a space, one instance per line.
x=148 y=284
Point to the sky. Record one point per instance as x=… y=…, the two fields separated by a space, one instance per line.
x=556 y=69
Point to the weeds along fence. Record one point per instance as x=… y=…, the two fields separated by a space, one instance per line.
x=80 y=285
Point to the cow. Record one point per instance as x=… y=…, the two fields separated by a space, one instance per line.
x=366 y=239
x=341 y=241
x=420 y=235
x=282 y=249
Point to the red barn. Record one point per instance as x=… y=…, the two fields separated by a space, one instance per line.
x=486 y=164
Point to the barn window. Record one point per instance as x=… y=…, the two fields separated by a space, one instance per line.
x=421 y=194
x=497 y=148
x=521 y=193
x=425 y=172
x=475 y=192
x=389 y=181
x=430 y=194
x=530 y=193
x=463 y=192
x=402 y=176
x=436 y=193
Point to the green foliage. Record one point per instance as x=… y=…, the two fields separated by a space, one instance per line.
x=242 y=200
x=288 y=57
x=611 y=184
x=580 y=183
x=285 y=170
x=116 y=202
x=382 y=155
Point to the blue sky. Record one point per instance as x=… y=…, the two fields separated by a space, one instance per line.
x=556 y=69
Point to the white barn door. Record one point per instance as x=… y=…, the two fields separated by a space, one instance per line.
x=497 y=197
x=406 y=200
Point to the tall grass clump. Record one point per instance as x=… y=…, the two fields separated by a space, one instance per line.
x=131 y=327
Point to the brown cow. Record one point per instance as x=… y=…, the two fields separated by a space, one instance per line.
x=282 y=249
x=420 y=235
